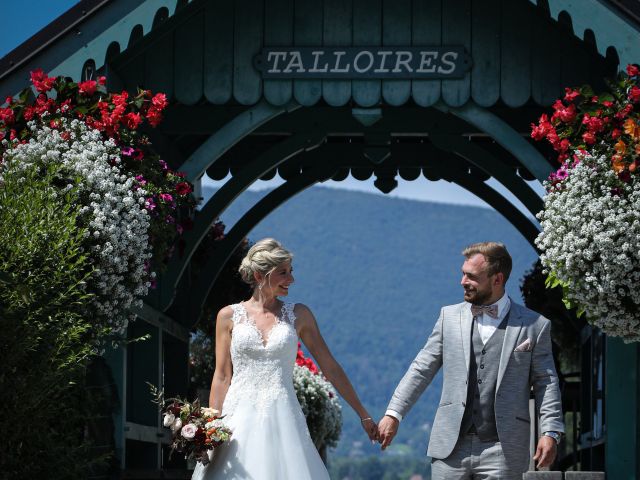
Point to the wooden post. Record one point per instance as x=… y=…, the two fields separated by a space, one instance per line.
x=621 y=454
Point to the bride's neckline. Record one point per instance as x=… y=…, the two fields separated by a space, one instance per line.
x=265 y=335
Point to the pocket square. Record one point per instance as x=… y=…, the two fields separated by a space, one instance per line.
x=524 y=346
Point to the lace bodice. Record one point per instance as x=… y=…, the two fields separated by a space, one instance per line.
x=262 y=367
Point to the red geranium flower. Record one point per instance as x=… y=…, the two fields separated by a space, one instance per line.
x=565 y=114
x=120 y=99
x=88 y=88
x=183 y=188
x=42 y=81
x=159 y=101
x=570 y=94
x=132 y=120
x=154 y=116
x=589 y=138
x=632 y=70
x=7 y=116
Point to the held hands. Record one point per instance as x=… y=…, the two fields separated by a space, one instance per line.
x=387 y=429
x=546 y=452
x=370 y=428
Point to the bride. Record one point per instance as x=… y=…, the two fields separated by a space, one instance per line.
x=252 y=387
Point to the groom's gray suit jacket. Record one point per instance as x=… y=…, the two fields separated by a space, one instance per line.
x=449 y=347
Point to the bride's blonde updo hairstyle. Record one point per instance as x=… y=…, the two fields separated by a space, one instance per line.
x=263 y=257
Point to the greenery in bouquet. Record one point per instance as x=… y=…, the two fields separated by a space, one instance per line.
x=319 y=402
x=590 y=240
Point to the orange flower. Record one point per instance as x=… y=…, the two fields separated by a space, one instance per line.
x=637 y=149
x=632 y=128
x=620 y=147
x=618 y=163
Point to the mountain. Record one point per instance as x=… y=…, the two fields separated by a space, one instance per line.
x=375 y=271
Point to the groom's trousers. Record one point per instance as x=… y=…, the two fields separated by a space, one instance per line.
x=473 y=459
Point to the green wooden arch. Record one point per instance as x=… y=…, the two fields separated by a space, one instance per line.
x=229 y=135
x=505 y=135
x=192 y=299
x=304 y=141
x=485 y=161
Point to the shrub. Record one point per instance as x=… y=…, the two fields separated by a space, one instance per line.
x=44 y=331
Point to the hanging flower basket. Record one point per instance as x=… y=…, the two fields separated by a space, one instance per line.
x=590 y=240
x=133 y=206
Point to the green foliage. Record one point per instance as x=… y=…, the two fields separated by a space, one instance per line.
x=552 y=281
x=44 y=344
x=546 y=295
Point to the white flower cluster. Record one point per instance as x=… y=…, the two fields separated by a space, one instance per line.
x=112 y=208
x=320 y=405
x=590 y=241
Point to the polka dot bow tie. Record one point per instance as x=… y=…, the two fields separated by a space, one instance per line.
x=491 y=310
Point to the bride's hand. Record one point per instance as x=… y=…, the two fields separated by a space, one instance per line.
x=370 y=428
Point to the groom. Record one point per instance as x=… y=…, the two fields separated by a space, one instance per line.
x=492 y=351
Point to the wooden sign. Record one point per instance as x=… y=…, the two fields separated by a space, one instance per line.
x=363 y=62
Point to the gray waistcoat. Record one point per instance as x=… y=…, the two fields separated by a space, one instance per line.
x=479 y=413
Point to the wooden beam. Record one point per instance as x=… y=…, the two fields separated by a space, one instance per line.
x=482 y=159
x=230 y=134
x=502 y=132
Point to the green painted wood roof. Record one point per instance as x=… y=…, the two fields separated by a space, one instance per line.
x=608 y=27
x=206 y=51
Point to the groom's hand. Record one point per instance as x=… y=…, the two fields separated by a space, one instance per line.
x=546 y=452
x=387 y=429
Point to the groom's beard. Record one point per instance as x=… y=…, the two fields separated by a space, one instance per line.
x=477 y=297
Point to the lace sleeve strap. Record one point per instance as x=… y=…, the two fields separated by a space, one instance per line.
x=289 y=314
x=237 y=313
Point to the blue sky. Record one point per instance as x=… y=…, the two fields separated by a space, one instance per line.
x=23 y=19
x=32 y=15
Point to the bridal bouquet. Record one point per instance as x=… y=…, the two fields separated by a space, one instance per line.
x=196 y=430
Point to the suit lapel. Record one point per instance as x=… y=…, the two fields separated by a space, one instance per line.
x=514 y=325
x=466 y=323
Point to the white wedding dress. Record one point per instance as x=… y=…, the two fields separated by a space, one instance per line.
x=270 y=437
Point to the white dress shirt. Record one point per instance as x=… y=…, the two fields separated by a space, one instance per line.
x=486 y=326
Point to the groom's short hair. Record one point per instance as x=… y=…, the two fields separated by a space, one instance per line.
x=496 y=255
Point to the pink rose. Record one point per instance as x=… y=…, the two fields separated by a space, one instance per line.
x=189 y=431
